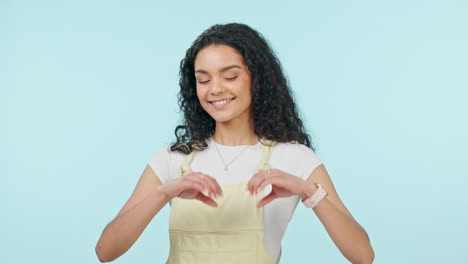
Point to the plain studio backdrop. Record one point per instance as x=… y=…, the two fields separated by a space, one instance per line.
x=88 y=96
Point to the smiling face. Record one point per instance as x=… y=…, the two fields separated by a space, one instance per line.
x=223 y=83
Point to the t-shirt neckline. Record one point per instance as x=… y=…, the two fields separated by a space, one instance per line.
x=233 y=147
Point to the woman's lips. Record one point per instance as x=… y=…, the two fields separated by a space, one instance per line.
x=220 y=106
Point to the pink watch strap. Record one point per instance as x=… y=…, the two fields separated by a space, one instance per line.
x=318 y=195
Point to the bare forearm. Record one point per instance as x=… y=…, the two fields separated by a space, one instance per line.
x=350 y=238
x=120 y=234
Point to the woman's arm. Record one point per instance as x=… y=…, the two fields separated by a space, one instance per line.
x=149 y=196
x=144 y=203
x=346 y=233
x=350 y=238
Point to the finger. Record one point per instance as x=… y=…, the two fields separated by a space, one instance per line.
x=190 y=184
x=202 y=178
x=200 y=196
x=214 y=185
x=266 y=199
x=264 y=182
x=197 y=177
x=257 y=180
x=207 y=200
x=252 y=181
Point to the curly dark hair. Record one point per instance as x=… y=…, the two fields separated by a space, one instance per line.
x=274 y=112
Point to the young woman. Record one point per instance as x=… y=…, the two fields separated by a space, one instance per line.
x=241 y=147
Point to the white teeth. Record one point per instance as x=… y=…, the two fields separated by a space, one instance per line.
x=222 y=102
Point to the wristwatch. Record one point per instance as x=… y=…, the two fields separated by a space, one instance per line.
x=318 y=195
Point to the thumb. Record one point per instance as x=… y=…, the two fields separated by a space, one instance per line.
x=271 y=196
x=207 y=200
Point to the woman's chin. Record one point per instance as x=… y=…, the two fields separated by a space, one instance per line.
x=222 y=120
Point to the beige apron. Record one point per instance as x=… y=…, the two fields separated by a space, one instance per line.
x=229 y=233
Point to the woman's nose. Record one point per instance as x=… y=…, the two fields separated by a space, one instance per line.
x=216 y=87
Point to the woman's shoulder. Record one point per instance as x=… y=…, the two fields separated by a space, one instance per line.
x=166 y=162
x=173 y=153
x=295 y=158
x=293 y=148
x=165 y=153
x=295 y=153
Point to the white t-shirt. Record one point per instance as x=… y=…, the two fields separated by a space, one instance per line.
x=293 y=158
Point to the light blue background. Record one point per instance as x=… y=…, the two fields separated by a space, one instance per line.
x=89 y=91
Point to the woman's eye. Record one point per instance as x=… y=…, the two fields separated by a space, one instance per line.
x=230 y=79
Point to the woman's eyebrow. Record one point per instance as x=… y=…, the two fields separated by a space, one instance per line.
x=222 y=69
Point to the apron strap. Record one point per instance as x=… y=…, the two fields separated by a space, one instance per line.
x=185 y=168
x=266 y=152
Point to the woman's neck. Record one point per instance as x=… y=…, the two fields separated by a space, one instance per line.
x=235 y=134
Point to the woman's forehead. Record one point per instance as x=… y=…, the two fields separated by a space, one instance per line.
x=218 y=58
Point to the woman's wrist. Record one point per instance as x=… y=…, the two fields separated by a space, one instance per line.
x=163 y=191
x=309 y=189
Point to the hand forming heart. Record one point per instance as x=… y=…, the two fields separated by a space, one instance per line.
x=283 y=185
